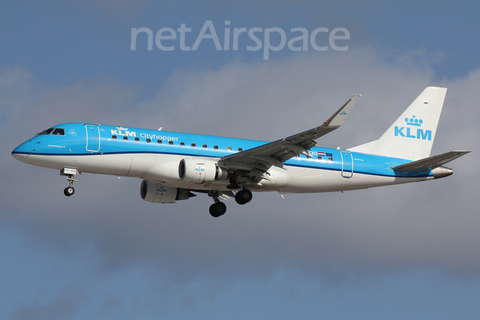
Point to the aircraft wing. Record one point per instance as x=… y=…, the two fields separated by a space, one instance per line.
x=430 y=163
x=277 y=152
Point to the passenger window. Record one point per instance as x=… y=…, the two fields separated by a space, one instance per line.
x=205 y=146
x=330 y=159
x=170 y=143
x=125 y=138
x=319 y=158
x=215 y=147
x=182 y=144
x=137 y=139
x=59 y=132
x=148 y=140
x=229 y=148
x=193 y=145
x=114 y=137
x=159 y=141
x=240 y=149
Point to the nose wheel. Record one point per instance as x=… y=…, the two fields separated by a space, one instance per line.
x=68 y=191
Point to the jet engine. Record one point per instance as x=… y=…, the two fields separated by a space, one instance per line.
x=157 y=193
x=200 y=171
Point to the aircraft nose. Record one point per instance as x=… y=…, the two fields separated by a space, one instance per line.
x=18 y=156
x=23 y=151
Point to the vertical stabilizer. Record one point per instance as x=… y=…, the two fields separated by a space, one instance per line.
x=411 y=135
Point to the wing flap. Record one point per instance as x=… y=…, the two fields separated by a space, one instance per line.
x=430 y=163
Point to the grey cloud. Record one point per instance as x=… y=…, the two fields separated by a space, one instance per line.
x=378 y=230
x=119 y=8
x=63 y=307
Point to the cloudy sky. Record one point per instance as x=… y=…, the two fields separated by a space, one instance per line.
x=402 y=252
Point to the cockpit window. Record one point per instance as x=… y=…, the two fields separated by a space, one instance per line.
x=59 y=132
x=45 y=132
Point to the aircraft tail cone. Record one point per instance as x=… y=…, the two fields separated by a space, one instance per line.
x=441 y=172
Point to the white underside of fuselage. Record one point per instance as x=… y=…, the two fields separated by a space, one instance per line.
x=163 y=169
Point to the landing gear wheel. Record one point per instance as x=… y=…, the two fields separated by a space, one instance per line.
x=243 y=196
x=218 y=209
x=69 y=191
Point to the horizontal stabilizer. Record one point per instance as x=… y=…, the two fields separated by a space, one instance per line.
x=430 y=163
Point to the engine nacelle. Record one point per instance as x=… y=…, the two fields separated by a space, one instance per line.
x=157 y=193
x=200 y=171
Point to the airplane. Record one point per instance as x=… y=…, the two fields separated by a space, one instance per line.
x=176 y=166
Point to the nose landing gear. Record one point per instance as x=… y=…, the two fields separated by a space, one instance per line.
x=70 y=173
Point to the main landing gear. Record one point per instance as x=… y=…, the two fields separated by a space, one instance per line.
x=243 y=196
x=219 y=208
x=70 y=173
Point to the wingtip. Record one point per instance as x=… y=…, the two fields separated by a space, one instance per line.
x=338 y=117
x=462 y=152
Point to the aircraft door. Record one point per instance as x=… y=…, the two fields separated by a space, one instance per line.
x=347 y=164
x=93 y=137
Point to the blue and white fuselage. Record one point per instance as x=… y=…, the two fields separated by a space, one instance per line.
x=173 y=164
x=153 y=155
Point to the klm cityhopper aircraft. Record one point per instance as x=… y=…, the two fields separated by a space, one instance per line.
x=176 y=165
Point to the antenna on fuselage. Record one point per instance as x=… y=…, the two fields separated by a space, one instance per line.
x=160 y=129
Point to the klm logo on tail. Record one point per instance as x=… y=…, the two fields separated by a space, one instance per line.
x=412 y=130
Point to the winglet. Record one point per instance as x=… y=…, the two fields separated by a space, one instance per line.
x=338 y=117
